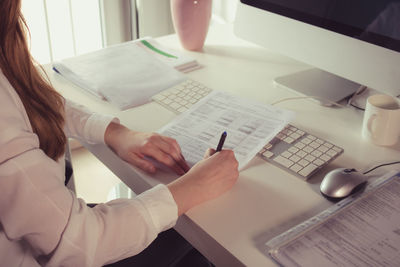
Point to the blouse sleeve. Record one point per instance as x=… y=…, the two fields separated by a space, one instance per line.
x=82 y=124
x=37 y=209
x=62 y=230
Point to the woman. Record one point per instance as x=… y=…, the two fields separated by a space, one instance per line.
x=42 y=223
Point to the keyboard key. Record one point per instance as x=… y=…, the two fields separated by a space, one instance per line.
x=300 y=132
x=303 y=162
x=295 y=158
x=268 y=154
x=167 y=101
x=337 y=149
x=316 y=153
x=309 y=158
x=183 y=102
x=311 y=137
x=182 y=109
x=328 y=145
x=325 y=157
x=281 y=136
x=288 y=140
x=175 y=105
x=318 y=162
x=296 y=168
x=268 y=146
x=308 y=149
x=301 y=154
x=283 y=161
x=286 y=154
x=299 y=145
x=306 y=141
x=314 y=144
x=172 y=97
x=293 y=149
x=323 y=148
x=295 y=136
x=308 y=170
x=331 y=153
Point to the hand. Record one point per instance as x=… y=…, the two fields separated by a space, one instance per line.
x=134 y=147
x=208 y=179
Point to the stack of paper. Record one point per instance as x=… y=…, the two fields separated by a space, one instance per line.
x=127 y=74
x=361 y=230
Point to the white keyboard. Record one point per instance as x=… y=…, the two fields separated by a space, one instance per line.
x=293 y=149
x=182 y=96
x=298 y=152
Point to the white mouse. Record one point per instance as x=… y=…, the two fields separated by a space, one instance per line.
x=342 y=182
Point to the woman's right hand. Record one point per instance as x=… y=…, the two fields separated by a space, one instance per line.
x=208 y=179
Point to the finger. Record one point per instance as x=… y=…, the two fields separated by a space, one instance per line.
x=209 y=152
x=141 y=163
x=166 y=159
x=183 y=164
x=171 y=147
x=167 y=145
x=172 y=142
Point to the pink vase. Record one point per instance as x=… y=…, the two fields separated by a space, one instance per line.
x=191 y=19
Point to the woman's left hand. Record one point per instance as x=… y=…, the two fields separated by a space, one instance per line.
x=134 y=147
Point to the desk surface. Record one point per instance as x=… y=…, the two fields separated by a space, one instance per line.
x=232 y=229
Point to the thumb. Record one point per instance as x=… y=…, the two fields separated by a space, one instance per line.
x=209 y=152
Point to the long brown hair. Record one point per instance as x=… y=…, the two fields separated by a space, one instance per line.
x=44 y=106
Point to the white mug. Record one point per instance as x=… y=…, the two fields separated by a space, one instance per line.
x=381 y=124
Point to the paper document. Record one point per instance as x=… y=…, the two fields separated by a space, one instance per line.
x=360 y=231
x=125 y=74
x=249 y=126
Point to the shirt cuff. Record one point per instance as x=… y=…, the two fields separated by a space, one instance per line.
x=96 y=126
x=161 y=207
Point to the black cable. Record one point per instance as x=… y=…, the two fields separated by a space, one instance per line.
x=354 y=106
x=385 y=164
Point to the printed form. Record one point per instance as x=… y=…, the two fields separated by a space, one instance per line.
x=249 y=126
x=364 y=233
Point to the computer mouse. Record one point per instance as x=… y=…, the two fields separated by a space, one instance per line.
x=342 y=182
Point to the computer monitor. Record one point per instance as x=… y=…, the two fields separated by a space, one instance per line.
x=349 y=42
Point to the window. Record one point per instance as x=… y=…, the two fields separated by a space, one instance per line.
x=65 y=28
x=62 y=28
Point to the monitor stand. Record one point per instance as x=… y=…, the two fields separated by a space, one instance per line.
x=319 y=83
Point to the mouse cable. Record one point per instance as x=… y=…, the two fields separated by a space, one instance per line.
x=354 y=106
x=304 y=97
x=385 y=164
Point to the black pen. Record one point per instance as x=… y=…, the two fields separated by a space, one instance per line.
x=221 y=141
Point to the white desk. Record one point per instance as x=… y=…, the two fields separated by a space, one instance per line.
x=266 y=200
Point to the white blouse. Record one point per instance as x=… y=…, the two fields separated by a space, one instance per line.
x=42 y=222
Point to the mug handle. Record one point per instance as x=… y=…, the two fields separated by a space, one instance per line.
x=369 y=124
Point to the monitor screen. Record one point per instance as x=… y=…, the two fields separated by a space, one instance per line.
x=373 y=21
x=354 y=40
